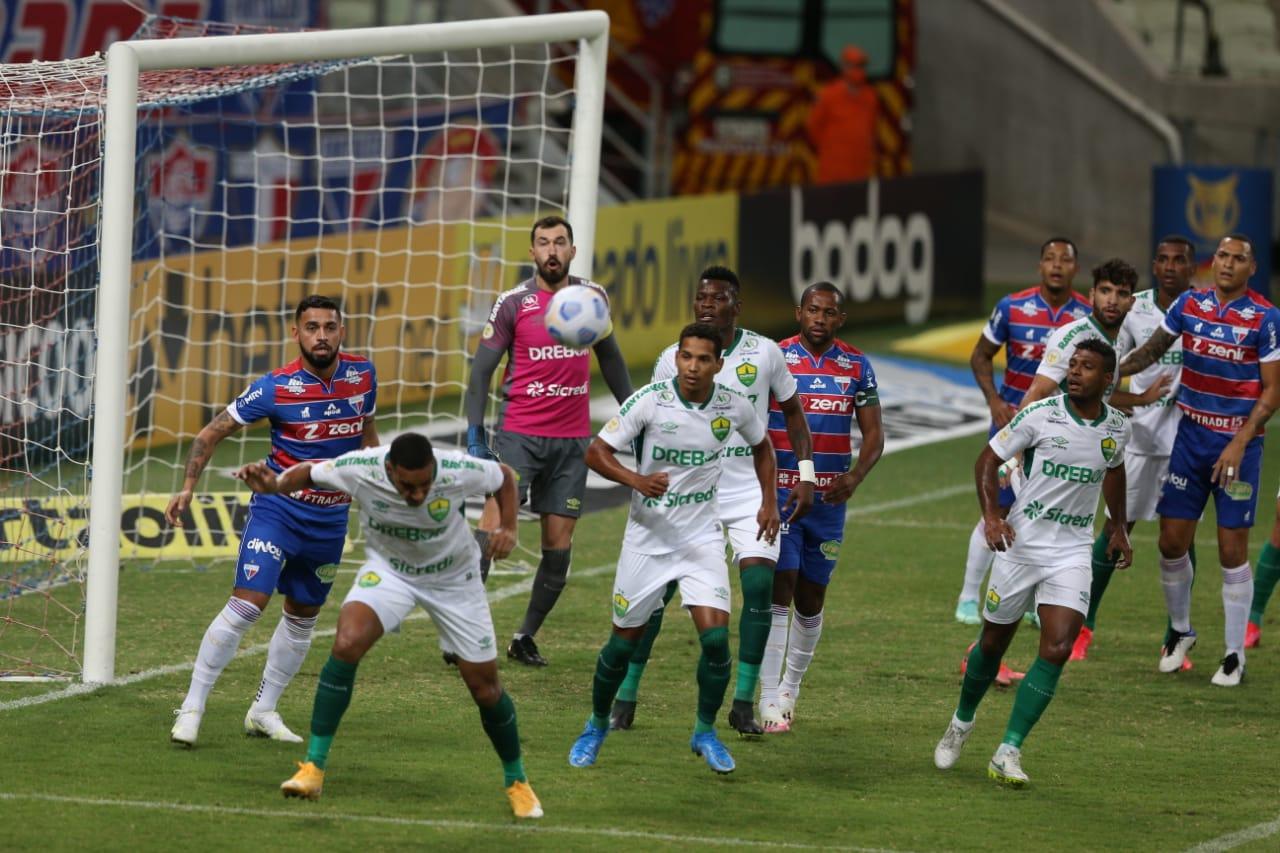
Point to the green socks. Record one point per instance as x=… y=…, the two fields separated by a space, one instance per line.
x=1264 y=583
x=713 y=676
x=333 y=695
x=499 y=722
x=1034 y=695
x=635 y=670
x=611 y=668
x=1103 y=568
x=753 y=628
x=978 y=676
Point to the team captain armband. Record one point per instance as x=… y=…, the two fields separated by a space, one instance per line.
x=807 y=474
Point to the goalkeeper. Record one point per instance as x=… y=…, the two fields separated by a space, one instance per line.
x=545 y=422
x=419 y=552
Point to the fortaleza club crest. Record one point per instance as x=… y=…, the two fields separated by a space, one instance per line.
x=438 y=508
x=747 y=373
x=720 y=427
x=1108 y=448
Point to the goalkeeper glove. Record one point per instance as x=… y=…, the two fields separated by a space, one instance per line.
x=478 y=443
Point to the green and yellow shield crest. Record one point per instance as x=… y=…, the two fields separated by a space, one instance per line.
x=720 y=427
x=747 y=373
x=438 y=508
x=1108 y=448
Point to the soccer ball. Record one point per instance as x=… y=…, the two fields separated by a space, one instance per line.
x=578 y=316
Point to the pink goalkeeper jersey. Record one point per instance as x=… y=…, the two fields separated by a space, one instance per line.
x=545 y=386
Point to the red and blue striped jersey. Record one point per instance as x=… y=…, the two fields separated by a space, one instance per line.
x=1222 y=348
x=312 y=420
x=831 y=388
x=1021 y=322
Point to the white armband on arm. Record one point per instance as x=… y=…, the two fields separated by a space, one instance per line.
x=807 y=474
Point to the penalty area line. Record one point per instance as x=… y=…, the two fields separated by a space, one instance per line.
x=1257 y=832
x=81 y=688
x=536 y=829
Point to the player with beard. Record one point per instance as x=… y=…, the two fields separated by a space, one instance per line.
x=545 y=421
x=320 y=405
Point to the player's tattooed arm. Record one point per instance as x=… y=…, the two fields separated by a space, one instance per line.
x=202 y=448
x=980 y=362
x=1147 y=354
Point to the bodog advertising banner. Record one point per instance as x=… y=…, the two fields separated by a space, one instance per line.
x=901 y=250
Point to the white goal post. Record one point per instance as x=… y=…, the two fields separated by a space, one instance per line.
x=126 y=61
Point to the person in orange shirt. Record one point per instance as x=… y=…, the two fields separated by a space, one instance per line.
x=842 y=124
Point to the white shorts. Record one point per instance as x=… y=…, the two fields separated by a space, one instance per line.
x=739 y=520
x=1144 y=477
x=455 y=601
x=1015 y=588
x=642 y=579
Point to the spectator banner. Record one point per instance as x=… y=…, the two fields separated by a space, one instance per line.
x=901 y=250
x=1208 y=202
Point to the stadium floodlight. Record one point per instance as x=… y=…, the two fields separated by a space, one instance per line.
x=211 y=177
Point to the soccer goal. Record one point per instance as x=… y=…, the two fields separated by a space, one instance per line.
x=163 y=210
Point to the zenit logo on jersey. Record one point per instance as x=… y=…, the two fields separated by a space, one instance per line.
x=1222 y=348
x=1021 y=322
x=311 y=419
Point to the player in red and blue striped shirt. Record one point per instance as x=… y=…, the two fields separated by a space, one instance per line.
x=835 y=384
x=1021 y=322
x=320 y=406
x=1230 y=387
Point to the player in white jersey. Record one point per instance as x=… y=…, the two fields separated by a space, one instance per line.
x=1074 y=447
x=1111 y=297
x=674 y=533
x=754 y=367
x=1154 y=419
x=420 y=553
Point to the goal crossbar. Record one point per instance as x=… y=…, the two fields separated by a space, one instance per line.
x=125 y=62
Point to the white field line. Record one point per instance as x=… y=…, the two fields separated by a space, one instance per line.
x=80 y=689
x=1257 y=832
x=515 y=828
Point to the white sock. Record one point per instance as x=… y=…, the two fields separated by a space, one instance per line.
x=288 y=649
x=1237 y=595
x=976 y=562
x=1176 y=576
x=218 y=648
x=775 y=648
x=805 y=631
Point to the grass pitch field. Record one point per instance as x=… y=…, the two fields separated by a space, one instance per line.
x=1125 y=758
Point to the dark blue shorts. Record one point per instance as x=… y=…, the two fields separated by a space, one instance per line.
x=811 y=545
x=280 y=552
x=1187 y=488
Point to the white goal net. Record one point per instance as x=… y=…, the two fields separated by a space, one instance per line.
x=402 y=185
